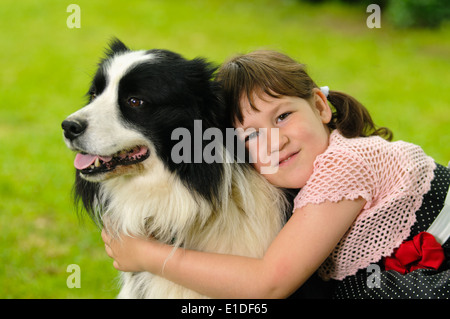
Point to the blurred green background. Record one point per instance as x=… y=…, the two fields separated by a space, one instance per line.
x=402 y=75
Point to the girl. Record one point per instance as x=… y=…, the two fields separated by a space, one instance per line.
x=360 y=196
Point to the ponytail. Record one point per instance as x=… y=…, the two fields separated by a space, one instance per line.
x=352 y=119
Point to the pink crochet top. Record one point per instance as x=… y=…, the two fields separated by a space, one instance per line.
x=391 y=176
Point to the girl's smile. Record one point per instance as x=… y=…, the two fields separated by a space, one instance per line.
x=289 y=159
x=286 y=134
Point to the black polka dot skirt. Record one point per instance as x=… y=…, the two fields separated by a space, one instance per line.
x=377 y=283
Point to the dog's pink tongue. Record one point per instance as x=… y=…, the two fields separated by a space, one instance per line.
x=83 y=161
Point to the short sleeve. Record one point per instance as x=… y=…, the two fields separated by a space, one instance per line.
x=338 y=174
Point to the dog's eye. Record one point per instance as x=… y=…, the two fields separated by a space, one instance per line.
x=134 y=102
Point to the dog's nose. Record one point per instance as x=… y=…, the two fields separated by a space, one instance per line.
x=73 y=129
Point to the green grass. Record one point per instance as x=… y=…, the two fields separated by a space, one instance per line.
x=400 y=75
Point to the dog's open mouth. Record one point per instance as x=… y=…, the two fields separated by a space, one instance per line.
x=93 y=164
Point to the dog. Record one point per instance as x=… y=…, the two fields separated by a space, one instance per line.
x=128 y=178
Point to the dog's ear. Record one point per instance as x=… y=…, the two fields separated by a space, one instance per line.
x=116 y=46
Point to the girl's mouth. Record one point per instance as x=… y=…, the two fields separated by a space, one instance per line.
x=288 y=159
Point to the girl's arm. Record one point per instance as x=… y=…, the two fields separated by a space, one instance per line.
x=299 y=249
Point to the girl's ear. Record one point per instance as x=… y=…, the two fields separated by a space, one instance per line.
x=321 y=104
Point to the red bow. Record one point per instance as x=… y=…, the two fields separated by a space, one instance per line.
x=423 y=251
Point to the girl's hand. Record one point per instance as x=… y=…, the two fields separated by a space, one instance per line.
x=128 y=252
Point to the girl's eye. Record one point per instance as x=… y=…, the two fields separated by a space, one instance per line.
x=134 y=102
x=283 y=116
x=251 y=136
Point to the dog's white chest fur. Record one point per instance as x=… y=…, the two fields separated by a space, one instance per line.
x=157 y=203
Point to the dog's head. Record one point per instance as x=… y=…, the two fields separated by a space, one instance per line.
x=136 y=100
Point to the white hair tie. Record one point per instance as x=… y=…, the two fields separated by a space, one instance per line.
x=325 y=90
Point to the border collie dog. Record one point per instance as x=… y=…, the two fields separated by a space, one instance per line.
x=127 y=178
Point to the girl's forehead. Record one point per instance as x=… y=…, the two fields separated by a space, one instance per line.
x=249 y=116
x=251 y=100
x=262 y=102
x=257 y=100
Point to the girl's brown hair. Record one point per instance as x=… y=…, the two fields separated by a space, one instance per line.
x=276 y=74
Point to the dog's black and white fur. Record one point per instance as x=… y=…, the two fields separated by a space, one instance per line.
x=137 y=99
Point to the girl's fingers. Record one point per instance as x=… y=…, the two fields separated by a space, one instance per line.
x=105 y=237
x=107 y=240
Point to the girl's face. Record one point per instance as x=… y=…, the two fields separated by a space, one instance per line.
x=285 y=136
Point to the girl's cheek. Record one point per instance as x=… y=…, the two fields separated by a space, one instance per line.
x=259 y=156
x=253 y=153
